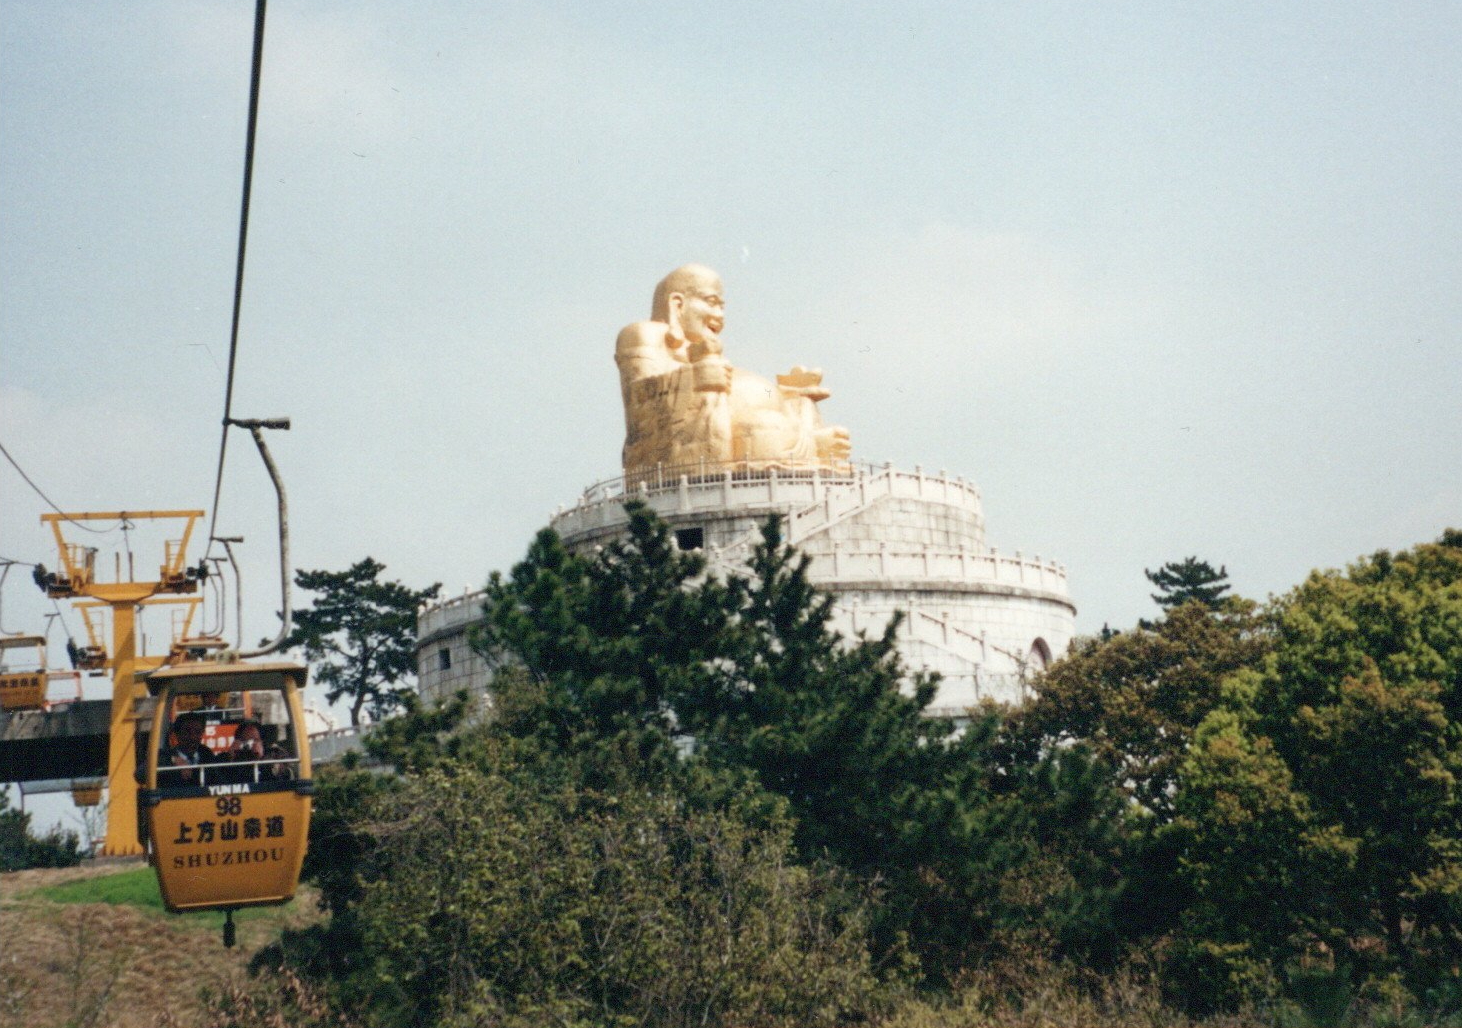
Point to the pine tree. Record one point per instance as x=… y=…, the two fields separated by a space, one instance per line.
x=1190 y=579
x=360 y=635
x=633 y=668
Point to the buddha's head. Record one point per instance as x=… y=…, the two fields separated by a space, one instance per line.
x=689 y=300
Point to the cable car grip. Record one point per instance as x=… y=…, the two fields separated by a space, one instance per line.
x=255 y=427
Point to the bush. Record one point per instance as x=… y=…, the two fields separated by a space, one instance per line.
x=487 y=898
x=20 y=850
x=276 y=1000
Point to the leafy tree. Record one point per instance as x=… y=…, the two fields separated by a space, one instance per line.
x=1317 y=813
x=360 y=635
x=1134 y=701
x=485 y=895
x=1363 y=701
x=1136 y=698
x=20 y=849
x=1190 y=579
x=1256 y=866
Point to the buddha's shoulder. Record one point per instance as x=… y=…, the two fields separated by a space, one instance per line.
x=640 y=336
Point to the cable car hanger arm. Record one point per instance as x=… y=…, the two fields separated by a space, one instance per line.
x=255 y=427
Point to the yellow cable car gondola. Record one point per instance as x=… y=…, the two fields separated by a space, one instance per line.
x=226 y=805
x=86 y=794
x=24 y=689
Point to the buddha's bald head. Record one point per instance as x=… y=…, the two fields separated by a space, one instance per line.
x=689 y=301
x=695 y=278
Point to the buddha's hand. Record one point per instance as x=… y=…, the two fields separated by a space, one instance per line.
x=712 y=374
x=833 y=443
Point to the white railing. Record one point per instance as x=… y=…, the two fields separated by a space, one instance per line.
x=937 y=631
x=843 y=502
x=661 y=477
x=843 y=563
x=700 y=488
x=330 y=744
x=226 y=772
x=999 y=686
x=434 y=617
x=927 y=628
x=815 y=497
x=664 y=478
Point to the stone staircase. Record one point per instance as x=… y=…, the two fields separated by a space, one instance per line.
x=839 y=502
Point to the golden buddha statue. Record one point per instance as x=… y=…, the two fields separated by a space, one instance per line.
x=684 y=404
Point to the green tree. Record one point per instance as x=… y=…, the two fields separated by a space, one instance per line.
x=1363 y=700
x=601 y=650
x=360 y=635
x=485 y=895
x=1190 y=579
x=632 y=658
x=1136 y=698
x=1256 y=866
x=1317 y=814
x=1134 y=701
x=20 y=849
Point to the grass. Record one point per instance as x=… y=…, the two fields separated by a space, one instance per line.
x=92 y=946
x=136 y=887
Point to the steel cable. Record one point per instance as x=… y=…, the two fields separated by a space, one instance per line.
x=233 y=346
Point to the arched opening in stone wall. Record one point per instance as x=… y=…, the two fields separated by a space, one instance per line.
x=1040 y=655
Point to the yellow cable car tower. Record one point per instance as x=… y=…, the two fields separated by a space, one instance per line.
x=77 y=580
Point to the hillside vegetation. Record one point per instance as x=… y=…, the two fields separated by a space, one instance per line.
x=689 y=804
x=92 y=946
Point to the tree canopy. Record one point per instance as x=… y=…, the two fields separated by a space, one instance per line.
x=1137 y=697
x=634 y=655
x=1187 y=581
x=682 y=781
x=1300 y=766
x=360 y=635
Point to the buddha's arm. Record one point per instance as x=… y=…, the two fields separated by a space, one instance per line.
x=676 y=412
x=643 y=351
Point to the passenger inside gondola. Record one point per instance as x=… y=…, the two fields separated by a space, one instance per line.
x=178 y=762
x=251 y=761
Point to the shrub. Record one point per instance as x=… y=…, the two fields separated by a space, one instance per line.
x=487 y=898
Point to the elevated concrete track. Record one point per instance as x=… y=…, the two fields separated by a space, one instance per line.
x=68 y=741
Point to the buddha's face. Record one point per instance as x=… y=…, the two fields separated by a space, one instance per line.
x=702 y=312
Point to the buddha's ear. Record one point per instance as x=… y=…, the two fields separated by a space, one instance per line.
x=674 y=304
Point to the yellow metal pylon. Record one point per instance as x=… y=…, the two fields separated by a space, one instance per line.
x=77 y=580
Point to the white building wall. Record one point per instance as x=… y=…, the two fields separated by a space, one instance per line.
x=881 y=540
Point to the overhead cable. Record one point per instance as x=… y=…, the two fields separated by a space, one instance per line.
x=4 y=572
x=58 y=510
x=64 y=626
x=233 y=346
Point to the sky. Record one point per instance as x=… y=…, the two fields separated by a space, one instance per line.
x=1164 y=280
